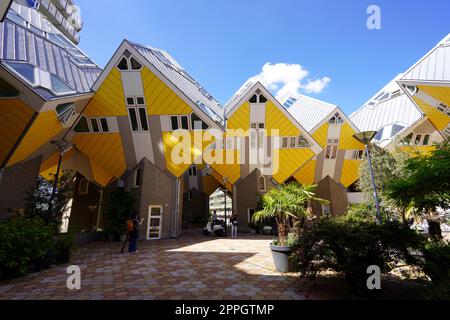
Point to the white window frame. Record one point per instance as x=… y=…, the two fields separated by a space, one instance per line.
x=326 y=209
x=80 y=184
x=332 y=145
x=257 y=135
x=137 y=107
x=264 y=180
x=161 y=217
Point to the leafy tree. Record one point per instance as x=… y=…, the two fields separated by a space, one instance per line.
x=37 y=199
x=118 y=208
x=285 y=203
x=425 y=182
x=387 y=166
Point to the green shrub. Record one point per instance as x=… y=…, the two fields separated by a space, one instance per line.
x=350 y=247
x=22 y=241
x=437 y=268
x=363 y=212
x=63 y=246
x=118 y=208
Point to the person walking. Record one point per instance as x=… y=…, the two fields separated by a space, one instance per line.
x=134 y=233
x=234 y=225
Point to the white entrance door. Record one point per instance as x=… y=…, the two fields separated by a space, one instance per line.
x=155 y=217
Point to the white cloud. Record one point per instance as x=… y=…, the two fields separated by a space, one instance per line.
x=317 y=86
x=284 y=78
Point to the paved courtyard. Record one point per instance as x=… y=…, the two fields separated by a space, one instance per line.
x=193 y=267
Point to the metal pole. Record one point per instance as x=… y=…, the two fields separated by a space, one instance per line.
x=225 y=198
x=55 y=186
x=375 y=194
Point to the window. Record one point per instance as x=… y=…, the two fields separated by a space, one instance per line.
x=192 y=171
x=123 y=64
x=293 y=142
x=418 y=139
x=94 y=125
x=25 y=70
x=82 y=126
x=133 y=119
x=426 y=140
x=137 y=178
x=104 y=124
x=285 y=142
x=302 y=142
x=174 y=123
x=58 y=86
x=326 y=209
x=332 y=147
x=262 y=183
x=64 y=111
x=135 y=65
x=257 y=135
x=447 y=131
x=358 y=154
x=184 y=122
x=189 y=196
x=137 y=113
x=83 y=187
x=407 y=140
x=144 y=120
x=258 y=97
x=140 y=101
x=197 y=123
x=336 y=119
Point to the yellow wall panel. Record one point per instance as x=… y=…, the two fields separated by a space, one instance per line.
x=438 y=118
x=346 y=140
x=50 y=165
x=321 y=134
x=277 y=120
x=307 y=173
x=45 y=127
x=109 y=100
x=210 y=185
x=14 y=117
x=240 y=119
x=350 y=172
x=230 y=170
x=105 y=150
x=101 y=176
x=290 y=160
x=172 y=141
x=440 y=93
x=160 y=99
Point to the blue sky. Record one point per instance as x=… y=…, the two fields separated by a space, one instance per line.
x=223 y=43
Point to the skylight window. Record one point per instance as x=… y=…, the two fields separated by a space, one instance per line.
x=135 y=65
x=258 y=97
x=25 y=70
x=123 y=64
x=58 y=86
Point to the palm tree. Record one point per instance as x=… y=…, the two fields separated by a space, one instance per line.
x=284 y=202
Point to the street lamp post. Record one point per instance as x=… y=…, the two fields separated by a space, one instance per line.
x=225 y=180
x=62 y=146
x=365 y=138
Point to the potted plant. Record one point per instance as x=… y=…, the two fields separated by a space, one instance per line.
x=252 y=227
x=64 y=244
x=285 y=204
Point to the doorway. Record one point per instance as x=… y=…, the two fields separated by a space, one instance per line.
x=155 y=219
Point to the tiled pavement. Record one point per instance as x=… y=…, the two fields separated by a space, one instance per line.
x=193 y=267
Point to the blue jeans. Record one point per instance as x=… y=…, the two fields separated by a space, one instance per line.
x=132 y=247
x=234 y=231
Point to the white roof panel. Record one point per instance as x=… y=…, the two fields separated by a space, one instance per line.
x=162 y=61
x=309 y=112
x=395 y=108
x=434 y=66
